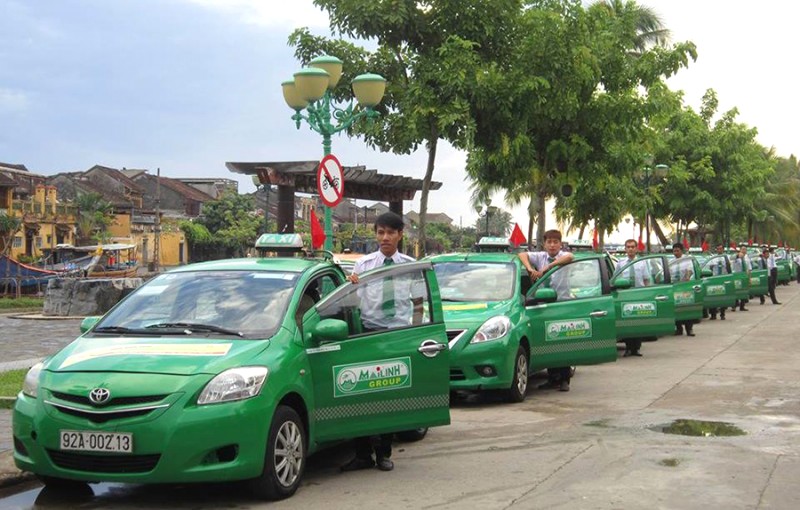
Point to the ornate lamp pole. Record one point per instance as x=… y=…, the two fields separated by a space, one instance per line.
x=312 y=90
x=648 y=173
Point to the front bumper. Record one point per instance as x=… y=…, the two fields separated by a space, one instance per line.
x=465 y=362
x=181 y=443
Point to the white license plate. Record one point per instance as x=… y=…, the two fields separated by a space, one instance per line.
x=96 y=441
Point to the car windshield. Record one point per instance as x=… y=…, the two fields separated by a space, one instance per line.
x=475 y=281
x=249 y=304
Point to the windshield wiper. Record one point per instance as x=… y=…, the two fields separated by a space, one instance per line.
x=122 y=330
x=190 y=327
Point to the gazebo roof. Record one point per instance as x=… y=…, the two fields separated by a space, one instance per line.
x=358 y=181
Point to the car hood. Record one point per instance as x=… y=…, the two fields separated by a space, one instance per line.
x=163 y=355
x=474 y=313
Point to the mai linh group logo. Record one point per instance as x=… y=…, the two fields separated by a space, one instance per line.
x=374 y=376
x=567 y=330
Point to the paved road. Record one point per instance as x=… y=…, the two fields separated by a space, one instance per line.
x=597 y=447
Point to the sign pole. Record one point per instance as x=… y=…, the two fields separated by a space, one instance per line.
x=326 y=151
x=330 y=186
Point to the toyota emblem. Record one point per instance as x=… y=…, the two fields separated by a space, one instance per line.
x=99 y=396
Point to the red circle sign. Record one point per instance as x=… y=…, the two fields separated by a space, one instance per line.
x=330 y=181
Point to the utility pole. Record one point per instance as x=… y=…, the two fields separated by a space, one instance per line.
x=157 y=240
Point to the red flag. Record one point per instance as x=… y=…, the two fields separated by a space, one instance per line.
x=685 y=244
x=517 y=237
x=317 y=232
x=750 y=241
x=595 y=242
x=641 y=245
x=704 y=246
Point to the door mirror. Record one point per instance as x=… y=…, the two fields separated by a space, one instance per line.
x=544 y=295
x=705 y=273
x=89 y=322
x=330 y=330
x=621 y=283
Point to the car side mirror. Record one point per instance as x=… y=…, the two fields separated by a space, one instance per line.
x=543 y=295
x=330 y=330
x=89 y=322
x=705 y=273
x=621 y=283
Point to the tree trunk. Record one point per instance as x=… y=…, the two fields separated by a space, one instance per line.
x=426 y=185
x=581 y=231
x=660 y=234
x=531 y=213
x=541 y=217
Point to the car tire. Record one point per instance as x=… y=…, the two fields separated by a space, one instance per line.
x=410 y=436
x=285 y=458
x=519 y=381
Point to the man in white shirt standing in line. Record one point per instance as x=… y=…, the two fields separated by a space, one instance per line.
x=538 y=263
x=375 y=316
x=773 y=275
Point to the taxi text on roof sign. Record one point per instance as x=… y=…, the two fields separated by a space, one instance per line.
x=267 y=241
x=493 y=241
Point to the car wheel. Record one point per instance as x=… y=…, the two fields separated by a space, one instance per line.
x=519 y=382
x=285 y=460
x=409 y=436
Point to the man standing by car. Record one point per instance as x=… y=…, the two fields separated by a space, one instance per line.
x=681 y=273
x=722 y=266
x=741 y=264
x=640 y=277
x=375 y=316
x=773 y=274
x=538 y=263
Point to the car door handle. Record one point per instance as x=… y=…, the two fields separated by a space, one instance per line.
x=661 y=298
x=599 y=313
x=698 y=288
x=431 y=348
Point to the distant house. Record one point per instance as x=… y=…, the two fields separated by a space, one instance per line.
x=175 y=198
x=441 y=218
x=211 y=186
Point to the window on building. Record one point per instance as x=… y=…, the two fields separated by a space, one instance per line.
x=18 y=242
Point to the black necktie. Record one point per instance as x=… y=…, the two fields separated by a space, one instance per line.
x=388 y=293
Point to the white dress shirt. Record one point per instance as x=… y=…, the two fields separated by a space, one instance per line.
x=371 y=295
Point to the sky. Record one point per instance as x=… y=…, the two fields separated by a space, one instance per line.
x=187 y=85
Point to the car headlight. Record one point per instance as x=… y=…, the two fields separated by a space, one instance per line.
x=234 y=384
x=494 y=328
x=30 y=386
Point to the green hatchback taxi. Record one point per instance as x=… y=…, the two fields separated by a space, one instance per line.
x=234 y=370
x=502 y=327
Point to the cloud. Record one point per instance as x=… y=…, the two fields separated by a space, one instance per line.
x=270 y=13
x=13 y=101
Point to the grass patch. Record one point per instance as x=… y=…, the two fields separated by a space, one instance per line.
x=11 y=382
x=6 y=403
x=670 y=462
x=603 y=424
x=22 y=302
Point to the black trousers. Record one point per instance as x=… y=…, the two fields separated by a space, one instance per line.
x=381 y=445
x=773 y=282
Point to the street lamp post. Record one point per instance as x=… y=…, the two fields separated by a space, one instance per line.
x=485 y=209
x=312 y=90
x=648 y=172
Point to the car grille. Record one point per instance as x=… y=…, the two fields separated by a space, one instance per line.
x=104 y=463
x=453 y=335
x=105 y=417
x=116 y=401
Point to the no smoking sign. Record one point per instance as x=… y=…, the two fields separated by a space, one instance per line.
x=330 y=181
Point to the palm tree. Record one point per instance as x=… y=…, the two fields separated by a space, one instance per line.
x=94 y=215
x=650 y=29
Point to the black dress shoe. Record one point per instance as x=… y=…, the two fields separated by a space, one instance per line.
x=777 y=303
x=678 y=332
x=564 y=386
x=743 y=309
x=384 y=464
x=690 y=333
x=636 y=353
x=358 y=463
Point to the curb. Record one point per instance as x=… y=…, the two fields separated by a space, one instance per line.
x=40 y=317
x=9 y=474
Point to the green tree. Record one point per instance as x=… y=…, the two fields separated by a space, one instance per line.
x=232 y=220
x=94 y=217
x=9 y=226
x=432 y=53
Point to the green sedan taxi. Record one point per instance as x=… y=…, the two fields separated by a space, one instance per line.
x=687 y=288
x=646 y=309
x=723 y=287
x=501 y=327
x=234 y=370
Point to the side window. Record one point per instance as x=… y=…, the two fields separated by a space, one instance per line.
x=312 y=294
x=640 y=272
x=379 y=304
x=682 y=269
x=581 y=279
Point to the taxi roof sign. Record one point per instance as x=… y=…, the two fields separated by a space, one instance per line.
x=279 y=242
x=494 y=241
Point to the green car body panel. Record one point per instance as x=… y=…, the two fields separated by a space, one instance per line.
x=784 y=265
x=687 y=288
x=156 y=374
x=467 y=309
x=721 y=285
x=645 y=311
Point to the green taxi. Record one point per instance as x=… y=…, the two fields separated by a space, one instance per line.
x=759 y=274
x=687 y=288
x=784 y=265
x=647 y=308
x=722 y=286
x=234 y=370
x=501 y=327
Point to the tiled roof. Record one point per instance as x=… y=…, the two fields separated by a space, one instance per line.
x=119 y=176
x=178 y=187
